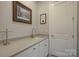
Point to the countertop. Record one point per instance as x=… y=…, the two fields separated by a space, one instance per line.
x=18 y=45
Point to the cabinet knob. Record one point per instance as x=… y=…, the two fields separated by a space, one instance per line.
x=34 y=48
x=52 y=35
x=45 y=44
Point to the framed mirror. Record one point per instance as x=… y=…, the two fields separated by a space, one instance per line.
x=21 y=13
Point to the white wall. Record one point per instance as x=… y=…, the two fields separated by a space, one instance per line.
x=43 y=7
x=78 y=29
x=21 y=29
x=0 y=21
x=18 y=29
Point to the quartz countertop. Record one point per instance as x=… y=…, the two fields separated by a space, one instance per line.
x=17 y=46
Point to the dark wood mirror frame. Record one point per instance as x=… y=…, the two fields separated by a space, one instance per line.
x=23 y=11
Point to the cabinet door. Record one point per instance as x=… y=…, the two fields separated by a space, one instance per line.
x=35 y=51
x=25 y=53
x=44 y=48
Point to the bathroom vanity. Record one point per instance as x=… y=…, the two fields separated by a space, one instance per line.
x=27 y=47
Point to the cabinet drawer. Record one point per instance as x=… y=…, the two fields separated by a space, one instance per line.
x=24 y=53
x=44 y=48
x=30 y=52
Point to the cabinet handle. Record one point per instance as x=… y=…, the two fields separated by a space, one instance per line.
x=34 y=48
x=45 y=44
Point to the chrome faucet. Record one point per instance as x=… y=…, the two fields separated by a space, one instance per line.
x=33 y=31
x=5 y=42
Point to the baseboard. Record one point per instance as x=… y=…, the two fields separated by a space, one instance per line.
x=48 y=55
x=54 y=55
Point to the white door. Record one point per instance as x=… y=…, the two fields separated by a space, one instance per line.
x=62 y=29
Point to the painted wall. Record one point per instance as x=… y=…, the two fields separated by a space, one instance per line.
x=21 y=29
x=43 y=7
x=17 y=29
x=78 y=29
x=0 y=22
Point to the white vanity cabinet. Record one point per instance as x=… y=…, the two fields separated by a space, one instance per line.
x=44 y=48
x=37 y=50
